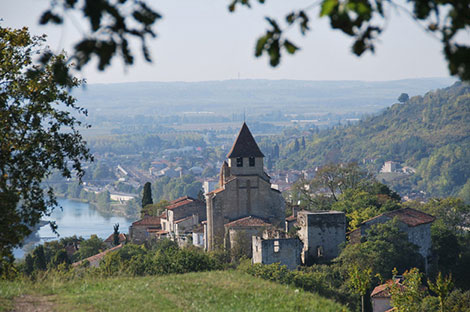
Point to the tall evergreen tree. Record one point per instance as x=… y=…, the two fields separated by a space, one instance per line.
x=296 y=146
x=147 y=196
x=276 y=151
x=28 y=264
x=303 y=142
x=39 y=259
x=116 y=234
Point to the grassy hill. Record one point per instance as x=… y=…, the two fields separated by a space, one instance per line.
x=430 y=133
x=207 y=291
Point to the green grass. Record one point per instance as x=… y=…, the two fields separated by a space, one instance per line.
x=208 y=291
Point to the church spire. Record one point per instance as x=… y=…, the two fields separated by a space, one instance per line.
x=245 y=145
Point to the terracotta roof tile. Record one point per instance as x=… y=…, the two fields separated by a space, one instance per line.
x=411 y=217
x=110 y=239
x=149 y=220
x=98 y=256
x=183 y=219
x=291 y=218
x=245 y=145
x=182 y=202
x=247 y=221
x=382 y=291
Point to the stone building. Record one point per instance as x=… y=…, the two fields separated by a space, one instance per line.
x=240 y=231
x=182 y=214
x=321 y=233
x=277 y=249
x=139 y=231
x=413 y=222
x=245 y=191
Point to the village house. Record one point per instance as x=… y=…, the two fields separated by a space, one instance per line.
x=182 y=215
x=416 y=224
x=94 y=261
x=141 y=230
x=109 y=242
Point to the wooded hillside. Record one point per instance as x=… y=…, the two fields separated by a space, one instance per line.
x=430 y=133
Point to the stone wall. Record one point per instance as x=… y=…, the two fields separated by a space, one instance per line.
x=286 y=251
x=240 y=238
x=321 y=233
x=241 y=197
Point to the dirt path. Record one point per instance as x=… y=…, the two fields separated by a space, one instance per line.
x=29 y=303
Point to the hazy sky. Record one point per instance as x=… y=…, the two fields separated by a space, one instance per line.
x=200 y=40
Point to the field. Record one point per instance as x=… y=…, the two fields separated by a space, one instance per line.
x=208 y=291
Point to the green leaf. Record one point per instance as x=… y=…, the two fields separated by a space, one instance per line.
x=290 y=47
x=327 y=7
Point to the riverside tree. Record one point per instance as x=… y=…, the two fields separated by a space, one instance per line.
x=38 y=134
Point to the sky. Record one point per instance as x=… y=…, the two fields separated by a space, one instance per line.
x=199 y=40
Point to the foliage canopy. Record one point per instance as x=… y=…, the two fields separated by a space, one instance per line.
x=38 y=134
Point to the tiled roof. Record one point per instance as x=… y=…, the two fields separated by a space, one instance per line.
x=181 y=202
x=98 y=256
x=220 y=189
x=245 y=145
x=291 y=218
x=149 y=220
x=247 y=221
x=409 y=216
x=382 y=291
x=183 y=219
x=157 y=231
x=110 y=239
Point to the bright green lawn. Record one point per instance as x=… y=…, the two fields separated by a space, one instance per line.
x=208 y=291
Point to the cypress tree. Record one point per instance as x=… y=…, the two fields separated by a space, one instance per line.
x=147 y=196
x=39 y=259
x=28 y=264
x=116 y=234
x=296 y=146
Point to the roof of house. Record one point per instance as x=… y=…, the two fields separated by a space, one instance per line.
x=247 y=221
x=383 y=291
x=148 y=221
x=181 y=202
x=183 y=219
x=245 y=145
x=291 y=218
x=409 y=216
x=110 y=239
x=157 y=231
x=98 y=256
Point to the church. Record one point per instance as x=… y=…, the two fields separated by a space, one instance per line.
x=245 y=201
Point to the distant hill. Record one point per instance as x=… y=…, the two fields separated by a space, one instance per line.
x=257 y=96
x=430 y=133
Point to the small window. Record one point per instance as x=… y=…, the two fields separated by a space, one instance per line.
x=319 y=251
x=252 y=161
x=239 y=162
x=276 y=246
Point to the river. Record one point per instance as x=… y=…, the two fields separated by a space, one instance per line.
x=81 y=219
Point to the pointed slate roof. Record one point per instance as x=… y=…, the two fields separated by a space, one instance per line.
x=245 y=145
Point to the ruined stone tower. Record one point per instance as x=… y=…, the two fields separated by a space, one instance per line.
x=245 y=191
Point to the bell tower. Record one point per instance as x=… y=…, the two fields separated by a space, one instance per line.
x=245 y=157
